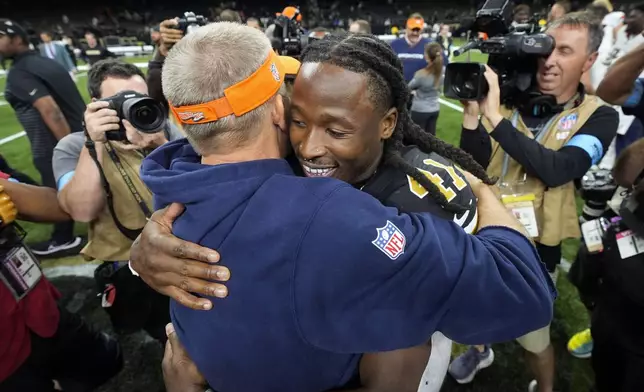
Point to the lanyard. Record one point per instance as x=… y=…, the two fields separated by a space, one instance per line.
x=538 y=137
x=128 y=181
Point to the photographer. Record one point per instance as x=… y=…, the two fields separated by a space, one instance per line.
x=617 y=320
x=537 y=159
x=98 y=182
x=42 y=342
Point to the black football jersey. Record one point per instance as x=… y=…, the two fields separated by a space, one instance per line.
x=396 y=189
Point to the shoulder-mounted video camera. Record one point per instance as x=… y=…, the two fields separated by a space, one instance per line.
x=190 y=22
x=144 y=113
x=290 y=34
x=514 y=51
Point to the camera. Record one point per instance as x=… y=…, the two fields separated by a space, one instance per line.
x=597 y=185
x=144 y=113
x=514 y=51
x=190 y=22
x=289 y=36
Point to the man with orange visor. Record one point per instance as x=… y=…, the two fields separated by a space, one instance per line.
x=411 y=48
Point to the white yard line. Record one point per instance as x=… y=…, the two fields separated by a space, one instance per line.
x=451 y=105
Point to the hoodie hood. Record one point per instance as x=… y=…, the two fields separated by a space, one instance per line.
x=174 y=173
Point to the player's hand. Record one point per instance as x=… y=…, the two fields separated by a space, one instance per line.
x=180 y=374
x=142 y=140
x=491 y=104
x=99 y=118
x=174 y=267
x=170 y=35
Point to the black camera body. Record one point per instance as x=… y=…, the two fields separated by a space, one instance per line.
x=597 y=186
x=513 y=52
x=291 y=36
x=144 y=113
x=190 y=22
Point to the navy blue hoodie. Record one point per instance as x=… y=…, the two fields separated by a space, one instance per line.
x=322 y=272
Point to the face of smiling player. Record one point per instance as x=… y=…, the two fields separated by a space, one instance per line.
x=335 y=128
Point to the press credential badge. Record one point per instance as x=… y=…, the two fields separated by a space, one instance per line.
x=629 y=244
x=522 y=207
x=20 y=271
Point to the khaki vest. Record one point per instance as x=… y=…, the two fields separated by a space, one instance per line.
x=555 y=208
x=106 y=242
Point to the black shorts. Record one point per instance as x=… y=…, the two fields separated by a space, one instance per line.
x=79 y=358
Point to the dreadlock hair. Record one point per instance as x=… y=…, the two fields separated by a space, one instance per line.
x=366 y=54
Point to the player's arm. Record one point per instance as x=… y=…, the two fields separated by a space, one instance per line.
x=29 y=88
x=34 y=203
x=362 y=266
x=617 y=86
x=558 y=167
x=52 y=116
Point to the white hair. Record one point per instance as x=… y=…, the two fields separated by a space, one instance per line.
x=202 y=65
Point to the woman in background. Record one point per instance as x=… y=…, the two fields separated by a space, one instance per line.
x=427 y=84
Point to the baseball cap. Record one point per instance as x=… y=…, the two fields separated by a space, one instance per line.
x=290 y=65
x=415 y=23
x=12 y=29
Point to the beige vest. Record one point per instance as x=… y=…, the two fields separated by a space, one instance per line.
x=555 y=208
x=106 y=242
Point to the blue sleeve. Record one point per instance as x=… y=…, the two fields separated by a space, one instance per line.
x=634 y=104
x=590 y=144
x=369 y=279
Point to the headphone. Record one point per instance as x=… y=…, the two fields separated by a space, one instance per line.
x=536 y=104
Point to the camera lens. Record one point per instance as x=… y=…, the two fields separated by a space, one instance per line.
x=145 y=114
x=465 y=85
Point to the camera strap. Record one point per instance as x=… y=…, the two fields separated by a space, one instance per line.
x=128 y=181
x=132 y=234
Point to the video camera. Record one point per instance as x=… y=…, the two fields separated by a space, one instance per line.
x=144 y=113
x=290 y=34
x=514 y=51
x=190 y=22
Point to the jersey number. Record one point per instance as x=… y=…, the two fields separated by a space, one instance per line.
x=458 y=182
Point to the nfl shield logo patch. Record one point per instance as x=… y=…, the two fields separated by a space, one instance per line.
x=566 y=123
x=390 y=240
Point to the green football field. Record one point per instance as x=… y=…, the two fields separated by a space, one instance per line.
x=508 y=374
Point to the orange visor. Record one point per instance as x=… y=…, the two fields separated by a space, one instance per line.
x=239 y=98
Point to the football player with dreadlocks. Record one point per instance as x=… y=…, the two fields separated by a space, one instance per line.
x=349 y=120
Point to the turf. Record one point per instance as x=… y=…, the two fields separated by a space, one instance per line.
x=143 y=357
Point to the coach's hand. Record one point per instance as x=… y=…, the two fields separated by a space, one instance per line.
x=170 y=35
x=180 y=374
x=174 y=267
x=99 y=118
